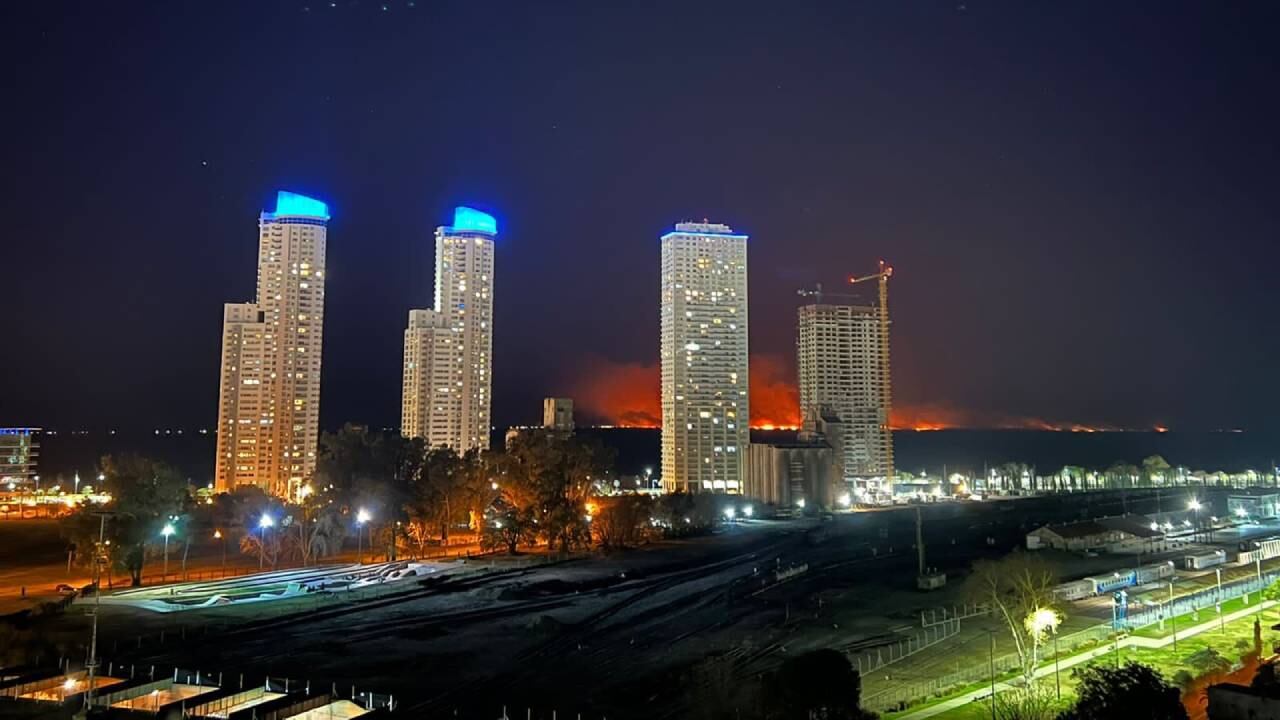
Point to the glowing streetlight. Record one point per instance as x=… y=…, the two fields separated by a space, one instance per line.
x=264 y=522
x=1241 y=512
x=845 y=500
x=748 y=511
x=1039 y=622
x=729 y=512
x=362 y=517
x=166 y=531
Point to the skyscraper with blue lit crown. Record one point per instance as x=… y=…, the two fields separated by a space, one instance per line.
x=269 y=394
x=448 y=349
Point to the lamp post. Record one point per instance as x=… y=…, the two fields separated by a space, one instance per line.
x=1219 y=571
x=217 y=535
x=1057 y=684
x=991 y=668
x=264 y=522
x=1173 y=622
x=362 y=517
x=1194 y=507
x=166 y=531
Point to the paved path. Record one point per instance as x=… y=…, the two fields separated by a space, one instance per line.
x=1084 y=657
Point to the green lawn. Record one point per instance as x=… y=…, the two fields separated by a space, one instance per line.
x=1186 y=620
x=1232 y=644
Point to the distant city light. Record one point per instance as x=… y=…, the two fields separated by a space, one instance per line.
x=363 y=516
x=265 y=521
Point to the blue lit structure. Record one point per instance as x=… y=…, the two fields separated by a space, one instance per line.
x=470 y=220
x=290 y=204
x=700 y=233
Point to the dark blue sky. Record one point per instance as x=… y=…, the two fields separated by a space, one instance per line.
x=1080 y=199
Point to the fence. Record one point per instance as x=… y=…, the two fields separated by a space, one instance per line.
x=962 y=612
x=888 y=655
x=904 y=693
x=1207 y=598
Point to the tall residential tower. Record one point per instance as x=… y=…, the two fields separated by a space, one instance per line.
x=705 y=402
x=269 y=398
x=448 y=350
x=843 y=362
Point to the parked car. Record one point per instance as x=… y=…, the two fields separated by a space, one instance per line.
x=64 y=589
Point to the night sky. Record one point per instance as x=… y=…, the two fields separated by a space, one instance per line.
x=1080 y=199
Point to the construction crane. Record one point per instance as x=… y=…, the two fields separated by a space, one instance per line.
x=886 y=393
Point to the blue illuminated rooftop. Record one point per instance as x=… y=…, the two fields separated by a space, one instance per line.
x=294 y=205
x=467 y=219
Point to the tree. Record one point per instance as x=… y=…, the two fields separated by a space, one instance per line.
x=1015 y=587
x=622 y=520
x=1029 y=702
x=1155 y=466
x=508 y=530
x=1130 y=691
x=818 y=684
x=146 y=494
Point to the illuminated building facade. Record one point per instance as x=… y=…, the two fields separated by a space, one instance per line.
x=269 y=396
x=19 y=451
x=448 y=350
x=705 y=401
x=843 y=377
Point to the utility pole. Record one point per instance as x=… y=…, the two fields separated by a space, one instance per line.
x=99 y=559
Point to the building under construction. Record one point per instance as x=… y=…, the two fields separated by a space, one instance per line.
x=843 y=352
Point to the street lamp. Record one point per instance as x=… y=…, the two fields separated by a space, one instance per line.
x=264 y=522
x=166 y=531
x=1194 y=507
x=217 y=535
x=1038 y=622
x=362 y=517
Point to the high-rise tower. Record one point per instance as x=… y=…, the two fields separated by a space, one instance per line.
x=705 y=401
x=843 y=362
x=269 y=396
x=448 y=350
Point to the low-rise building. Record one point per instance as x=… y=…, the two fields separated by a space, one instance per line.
x=1091 y=534
x=1228 y=701
x=1254 y=503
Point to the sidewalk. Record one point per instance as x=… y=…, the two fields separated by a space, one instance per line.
x=1084 y=657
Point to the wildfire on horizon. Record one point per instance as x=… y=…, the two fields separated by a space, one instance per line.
x=622 y=394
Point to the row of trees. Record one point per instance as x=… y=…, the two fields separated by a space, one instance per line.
x=546 y=489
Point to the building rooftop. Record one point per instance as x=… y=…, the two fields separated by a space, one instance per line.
x=289 y=204
x=470 y=220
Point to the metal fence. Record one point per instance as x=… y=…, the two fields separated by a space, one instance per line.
x=1207 y=598
x=904 y=693
x=889 y=654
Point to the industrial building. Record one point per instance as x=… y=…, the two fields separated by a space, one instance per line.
x=1094 y=534
x=269 y=391
x=1254 y=504
x=798 y=474
x=557 y=414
